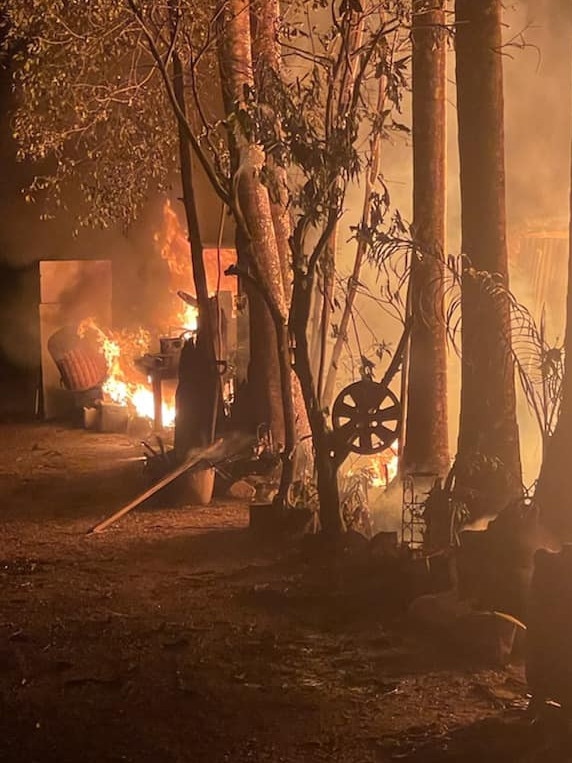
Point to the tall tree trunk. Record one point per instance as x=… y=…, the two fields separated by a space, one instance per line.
x=252 y=206
x=267 y=64
x=426 y=436
x=266 y=67
x=265 y=388
x=554 y=490
x=488 y=463
x=253 y=201
x=264 y=381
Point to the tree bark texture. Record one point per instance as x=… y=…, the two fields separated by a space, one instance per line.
x=264 y=367
x=266 y=66
x=326 y=460
x=267 y=62
x=252 y=195
x=257 y=236
x=426 y=434
x=488 y=462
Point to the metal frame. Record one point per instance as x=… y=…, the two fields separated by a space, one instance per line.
x=413 y=506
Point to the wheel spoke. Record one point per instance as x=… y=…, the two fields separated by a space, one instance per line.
x=366 y=417
x=361 y=394
x=389 y=414
x=346 y=411
x=347 y=432
x=366 y=440
x=386 y=435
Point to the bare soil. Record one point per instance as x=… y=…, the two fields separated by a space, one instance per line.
x=178 y=635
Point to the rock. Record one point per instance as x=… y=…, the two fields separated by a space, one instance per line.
x=241 y=489
x=439 y=610
x=355 y=543
x=548 y=653
x=385 y=544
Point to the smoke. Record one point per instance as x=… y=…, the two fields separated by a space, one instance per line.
x=538 y=65
x=141 y=284
x=139 y=276
x=537 y=58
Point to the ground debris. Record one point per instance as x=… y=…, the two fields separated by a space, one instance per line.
x=182 y=637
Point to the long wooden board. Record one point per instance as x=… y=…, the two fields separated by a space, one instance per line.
x=203 y=455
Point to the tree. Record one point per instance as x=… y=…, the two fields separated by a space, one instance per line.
x=93 y=108
x=303 y=125
x=371 y=185
x=426 y=436
x=199 y=430
x=321 y=117
x=251 y=201
x=261 y=398
x=267 y=64
x=488 y=469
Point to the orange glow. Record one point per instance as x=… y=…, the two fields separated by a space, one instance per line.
x=379 y=469
x=188 y=317
x=174 y=248
x=173 y=245
x=120 y=348
x=174 y=317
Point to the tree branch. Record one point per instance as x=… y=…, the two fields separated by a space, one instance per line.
x=181 y=118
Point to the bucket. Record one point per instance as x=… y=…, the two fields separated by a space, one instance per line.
x=200 y=486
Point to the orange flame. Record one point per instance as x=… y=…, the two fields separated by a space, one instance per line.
x=119 y=349
x=188 y=317
x=174 y=246
x=379 y=469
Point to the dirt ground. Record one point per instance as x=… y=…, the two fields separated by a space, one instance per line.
x=177 y=635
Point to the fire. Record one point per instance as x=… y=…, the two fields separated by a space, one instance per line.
x=188 y=317
x=143 y=402
x=176 y=317
x=174 y=245
x=379 y=469
x=119 y=349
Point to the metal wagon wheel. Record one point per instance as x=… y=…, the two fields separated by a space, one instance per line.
x=366 y=417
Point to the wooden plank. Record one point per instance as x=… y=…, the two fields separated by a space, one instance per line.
x=203 y=455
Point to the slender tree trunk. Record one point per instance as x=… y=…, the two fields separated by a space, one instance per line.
x=264 y=368
x=370 y=183
x=196 y=434
x=488 y=463
x=426 y=439
x=328 y=264
x=554 y=490
x=267 y=64
x=325 y=459
x=353 y=35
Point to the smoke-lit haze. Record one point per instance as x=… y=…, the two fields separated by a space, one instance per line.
x=538 y=108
